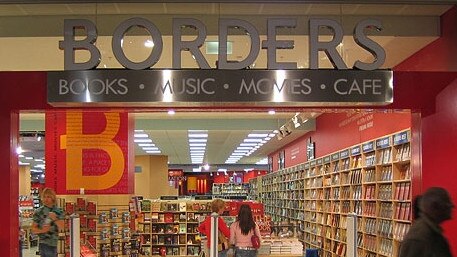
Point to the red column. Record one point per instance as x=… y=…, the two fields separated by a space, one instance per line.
x=9 y=183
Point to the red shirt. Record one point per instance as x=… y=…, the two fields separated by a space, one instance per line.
x=205 y=228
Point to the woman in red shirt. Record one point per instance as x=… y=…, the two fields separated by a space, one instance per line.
x=217 y=206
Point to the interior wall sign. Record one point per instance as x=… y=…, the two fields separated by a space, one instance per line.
x=70 y=44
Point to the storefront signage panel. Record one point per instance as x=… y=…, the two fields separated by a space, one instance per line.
x=219 y=87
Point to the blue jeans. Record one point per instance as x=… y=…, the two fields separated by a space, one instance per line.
x=222 y=253
x=245 y=253
x=48 y=251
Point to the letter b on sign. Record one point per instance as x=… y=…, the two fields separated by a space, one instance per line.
x=94 y=159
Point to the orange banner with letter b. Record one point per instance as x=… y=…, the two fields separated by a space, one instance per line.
x=89 y=152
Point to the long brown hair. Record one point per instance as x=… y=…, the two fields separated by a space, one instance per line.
x=245 y=219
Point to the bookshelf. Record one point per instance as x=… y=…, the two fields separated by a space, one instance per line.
x=105 y=228
x=231 y=190
x=371 y=179
x=282 y=194
x=171 y=226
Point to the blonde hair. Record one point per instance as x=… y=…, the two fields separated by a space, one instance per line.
x=48 y=192
x=217 y=205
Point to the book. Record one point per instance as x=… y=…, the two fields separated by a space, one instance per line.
x=91 y=208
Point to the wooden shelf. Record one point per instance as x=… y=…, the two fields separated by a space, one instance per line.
x=372 y=179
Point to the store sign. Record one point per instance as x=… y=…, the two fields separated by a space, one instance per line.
x=88 y=152
x=219 y=87
x=71 y=44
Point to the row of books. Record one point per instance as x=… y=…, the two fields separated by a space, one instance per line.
x=402 y=191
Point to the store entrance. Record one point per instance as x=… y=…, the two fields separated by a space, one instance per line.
x=215 y=154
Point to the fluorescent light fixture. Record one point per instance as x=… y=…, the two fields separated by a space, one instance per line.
x=262 y=162
x=197 y=140
x=222 y=170
x=20 y=155
x=271 y=112
x=196 y=169
x=206 y=166
x=197 y=130
x=241 y=151
x=267 y=139
x=39 y=160
x=276 y=131
x=143 y=140
x=238 y=154
x=198 y=135
x=197 y=144
x=141 y=135
x=150 y=144
x=197 y=148
x=29 y=158
x=197 y=151
x=19 y=150
x=257 y=135
x=243 y=148
x=138 y=130
x=171 y=112
x=24 y=163
x=271 y=135
x=252 y=140
x=197 y=154
x=248 y=144
x=150 y=148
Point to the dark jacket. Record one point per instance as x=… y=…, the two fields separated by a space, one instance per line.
x=424 y=239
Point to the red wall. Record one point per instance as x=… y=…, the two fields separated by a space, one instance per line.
x=439 y=128
x=336 y=131
x=439 y=148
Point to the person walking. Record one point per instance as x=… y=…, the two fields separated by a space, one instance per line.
x=48 y=220
x=241 y=232
x=217 y=206
x=425 y=237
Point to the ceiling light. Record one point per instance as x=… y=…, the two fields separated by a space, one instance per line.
x=29 y=158
x=197 y=148
x=222 y=170
x=150 y=148
x=197 y=154
x=196 y=169
x=197 y=140
x=143 y=140
x=139 y=130
x=206 y=166
x=271 y=112
x=171 y=112
x=252 y=140
x=257 y=135
x=197 y=144
x=150 y=144
x=198 y=135
x=248 y=144
x=141 y=135
x=19 y=150
x=197 y=151
x=24 y=163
